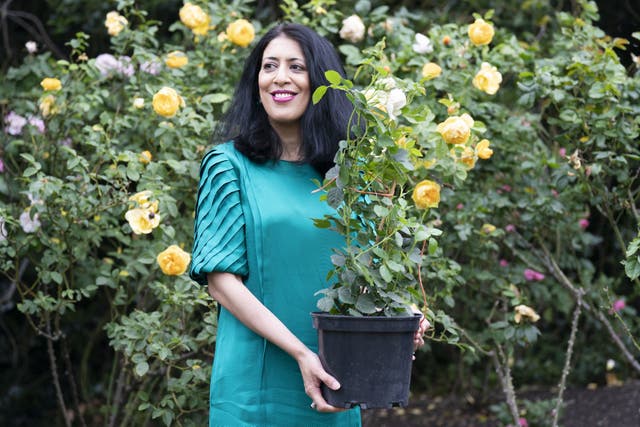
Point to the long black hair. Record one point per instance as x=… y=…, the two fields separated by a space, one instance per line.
x=323 y=125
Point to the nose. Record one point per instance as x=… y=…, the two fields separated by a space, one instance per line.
x=282 y=76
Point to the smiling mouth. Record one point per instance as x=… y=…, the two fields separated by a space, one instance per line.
x=283 y=96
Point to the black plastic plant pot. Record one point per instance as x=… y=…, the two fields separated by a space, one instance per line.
x=370 y=356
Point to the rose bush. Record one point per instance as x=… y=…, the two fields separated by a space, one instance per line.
x=525 y=183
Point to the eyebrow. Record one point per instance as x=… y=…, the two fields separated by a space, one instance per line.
x=288 y=59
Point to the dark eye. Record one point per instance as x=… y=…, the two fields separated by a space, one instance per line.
x=297 y=67
x=268 y=66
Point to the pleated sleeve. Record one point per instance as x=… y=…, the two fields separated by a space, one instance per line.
x=219 y=226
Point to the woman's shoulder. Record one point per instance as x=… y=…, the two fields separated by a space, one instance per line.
x=225 y=151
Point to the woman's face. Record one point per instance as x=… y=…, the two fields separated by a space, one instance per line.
x=283 y=81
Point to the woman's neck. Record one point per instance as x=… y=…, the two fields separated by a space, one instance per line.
x=291 y=140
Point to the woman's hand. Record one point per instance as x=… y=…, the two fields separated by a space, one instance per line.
x=418 y=337
x=313 y=374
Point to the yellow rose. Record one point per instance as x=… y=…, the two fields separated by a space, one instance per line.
x=50 y=83
x=166 y=102
x=525 y=311
x=173 y=261
x=426 y=194
x=145 y=157
x=431 y=70
x=142 y=221
x=241 y=32
x=176 y=59
x=195 y=18
x=483 y=150
x=488 y=228
x=456 y=129
x=480 y=32
x=47 y=106
x=488 y=79
x=115 y=23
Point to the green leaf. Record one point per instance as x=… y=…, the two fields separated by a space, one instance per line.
x=142 y=368
x=632 y=268
x=345 y=296
x=333 y=77
x=325 y=304
x=433 y=246
x=56 y=277
x=318 y=94
x=394 y=266
x=365 y=304
x=385 y=273
x=337 y=260
x=29 y=171
x=215 y=98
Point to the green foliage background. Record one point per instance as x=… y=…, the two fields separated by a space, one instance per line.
x=89 y=318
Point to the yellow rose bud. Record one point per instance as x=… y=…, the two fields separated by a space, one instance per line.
x=50 y=83
x=466 y=156
x=141 y=197
x=488 y=79
x=431 y=70
x=401 y=142
x=145 y=157
x=195 y=18
x=47 y=106
x=456 y=129
x=426 y=194
x=176 y=59
x=142 y=221
x=483 y=150
x=480 y=32
x=173 y=261
x=527 y=312
x=428 y=164
x=115 y=23
x=241 y=32
x=166 y=102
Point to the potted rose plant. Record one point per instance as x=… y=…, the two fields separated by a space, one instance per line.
x=384 y=187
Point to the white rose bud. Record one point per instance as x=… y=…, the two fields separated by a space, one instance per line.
x=352 y=29
x=422 y=44
x=395 y=102
x=138 y=103
x=31 y=46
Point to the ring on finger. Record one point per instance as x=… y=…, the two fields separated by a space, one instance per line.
x=313 y=405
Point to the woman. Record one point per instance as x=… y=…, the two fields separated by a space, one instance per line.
x=256 y=247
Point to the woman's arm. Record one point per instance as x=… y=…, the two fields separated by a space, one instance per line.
x=229 y=290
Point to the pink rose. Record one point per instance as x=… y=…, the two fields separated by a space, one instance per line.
x=618 y=305
x=532 y=275
x=460 y=206
x=510 y=228
x=504 y=263
x=583 y=223
x=562 y=152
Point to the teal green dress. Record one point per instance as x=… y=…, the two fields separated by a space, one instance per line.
x=256 y=221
